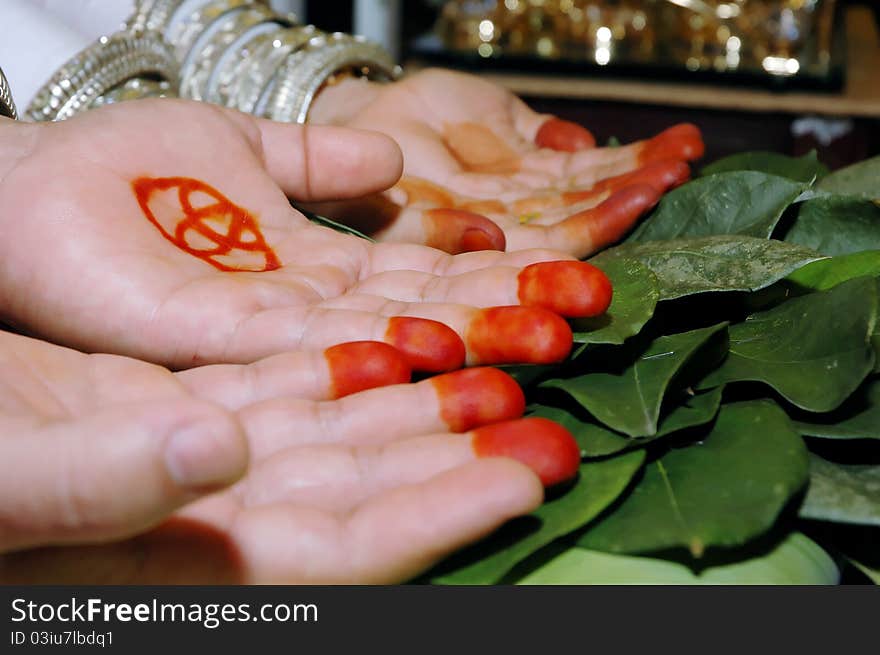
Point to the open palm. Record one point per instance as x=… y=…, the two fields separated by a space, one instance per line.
x=163 y=230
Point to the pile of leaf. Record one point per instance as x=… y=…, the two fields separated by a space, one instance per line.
x=728 y=405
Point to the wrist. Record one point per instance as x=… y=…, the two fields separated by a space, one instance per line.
x=339 y=103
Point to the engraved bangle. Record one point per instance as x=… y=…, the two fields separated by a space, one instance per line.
x=234 y=67
x=135 y=89
x=7 y=105
x=184 y=34
x=102 y=66
x=305 y=72
x=265 y=63
x=197 y=72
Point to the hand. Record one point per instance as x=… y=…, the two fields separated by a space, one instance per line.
x=161 y=230
x=473 y=147
x=97 y=448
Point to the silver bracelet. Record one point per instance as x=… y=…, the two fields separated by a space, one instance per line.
x=184 y=34
x=202 y=65
x=135 y=89
x=234 y=68
x=266 y=61
x=7 y=104
x=153 y=15
x=306 y=71
x=104 y=65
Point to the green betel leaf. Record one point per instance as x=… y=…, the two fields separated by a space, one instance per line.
x=862 y=179
x=857 y=418
x=598 y=485
x=796 y=560
x=333 y=225
x=801 y=169
x=837 y=225
x=843 y=493
x=828 y=273
x=597 y=441
x=723 y=491
x=742 y=202
x=720 y=263
x=815 y=350
x=636 y=292
x=626 y=393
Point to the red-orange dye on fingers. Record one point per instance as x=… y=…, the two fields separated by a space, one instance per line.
x=482 y=206
x=564 y=136
x=429 y=346
x=477 y=148
x=456 y=231
x=361 y=365
x=608 y=222
x=544 y=446
x=572 y=289
x=242 y=230
x=418 y=191
x=683 y=142
x=660 y=175
x=518 y=335
x=478 y=396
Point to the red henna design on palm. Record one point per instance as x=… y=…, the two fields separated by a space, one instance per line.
x=241 y=248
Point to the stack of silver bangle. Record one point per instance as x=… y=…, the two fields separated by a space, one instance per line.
x=236 y=53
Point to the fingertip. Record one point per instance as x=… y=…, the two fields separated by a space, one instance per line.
x=428 y=346
x=518 y=335
x=362 y=365
x=570 y=289
x=545 y=447
x=608 y=222
x=683 y=142
x=564 y=136
x=478 y=396
x=456 y=231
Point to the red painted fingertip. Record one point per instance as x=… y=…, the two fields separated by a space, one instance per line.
x=564 y=136
x=518 y=335
x=456 y=231
x=362 y=365
x=478 y=396
x=608 y=222
x=678 y=142
x=429 y=346
x=571 y=289
x=544 y=446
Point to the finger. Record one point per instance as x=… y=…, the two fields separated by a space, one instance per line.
x=336 y=372
x=338 y=479
x=456 y=402
x=391 y=538
x=682 y=141
x=313 y=163
x=661 y=175
x=568 y=288
x=564 y=136
x=590 y=230
x=115 y=473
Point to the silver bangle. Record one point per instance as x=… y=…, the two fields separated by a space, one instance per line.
x=305 y=72
x=184 y=34
x=201 y=66
x=102 y=66
x=234 y=67
x=135 y=89
x=152 y=15
x=266 y=60
x=7 y=104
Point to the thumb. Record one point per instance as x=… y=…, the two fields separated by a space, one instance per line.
x=114 y=473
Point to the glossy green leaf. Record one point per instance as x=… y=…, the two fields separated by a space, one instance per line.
x=844 y=493
x=815 y=350
x=597 y=441
x=720 y=263
x=741 y=202
x=797 y=560
x=801 y=169
x=597 y=486
x=857 y=418
x=837 y=225
x=636 y=292
x=323 y=221
x=862 y=179
x=723 y=491
x=627 y=394
x=827 y=273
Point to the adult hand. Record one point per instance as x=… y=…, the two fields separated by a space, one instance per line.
x=161 y=230
x=472 y=146
x=100 y=447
